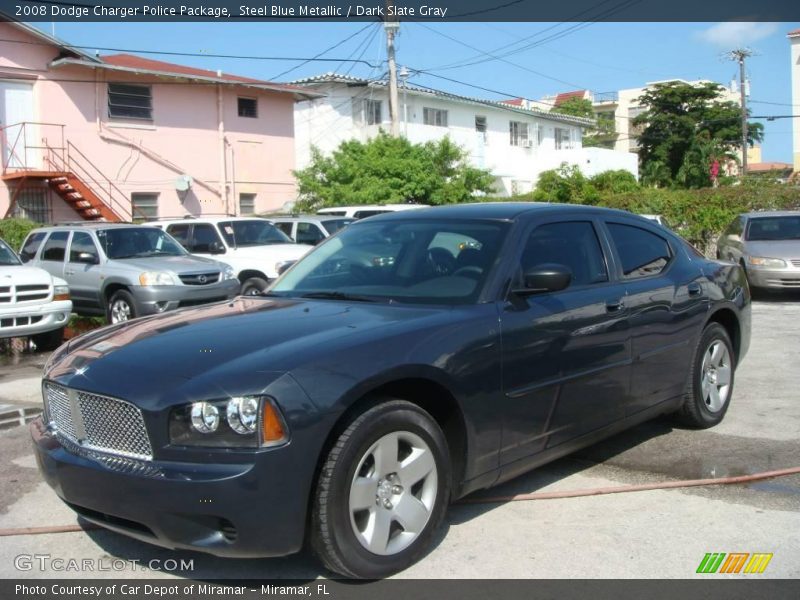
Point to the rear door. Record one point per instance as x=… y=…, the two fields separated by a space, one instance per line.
x=85 y=278
x=566 y=355
x=666 y=299
x=53 y=253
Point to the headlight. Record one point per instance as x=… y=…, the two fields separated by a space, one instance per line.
x=156 y=278
x=240 y=422
x=228 y=273
x=761 y=261
x=61 y=292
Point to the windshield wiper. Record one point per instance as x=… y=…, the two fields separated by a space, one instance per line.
x=337 y=296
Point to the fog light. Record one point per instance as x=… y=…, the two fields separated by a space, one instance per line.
x=205 y=417
x=243 y=414
x=161 y=306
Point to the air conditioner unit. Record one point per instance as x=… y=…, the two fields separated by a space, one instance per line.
x=527 y=144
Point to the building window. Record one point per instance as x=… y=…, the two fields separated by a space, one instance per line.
x=367 y=112
x=144 y=206
x=480 y=128
x=129 y=101
x=247 y=204
x=248 y=107
x=434 y=116
x=33 y=204
x=563 y=139
x=518 y=132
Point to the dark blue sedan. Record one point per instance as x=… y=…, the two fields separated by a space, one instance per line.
x=411 y=359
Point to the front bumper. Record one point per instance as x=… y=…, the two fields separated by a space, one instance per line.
x=151 y=300
x=29 y=320
x=251 y=509
x=776 y=279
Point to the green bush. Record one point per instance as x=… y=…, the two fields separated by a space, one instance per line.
x=14 y=231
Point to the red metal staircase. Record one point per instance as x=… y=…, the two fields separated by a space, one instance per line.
x=65 y=170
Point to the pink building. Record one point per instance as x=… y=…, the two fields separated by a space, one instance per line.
x=123 y=137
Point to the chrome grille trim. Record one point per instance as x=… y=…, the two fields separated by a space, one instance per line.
x=200 y=278
x=795 y=262
x=97 y=422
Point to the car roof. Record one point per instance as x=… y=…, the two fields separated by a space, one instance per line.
x=504 y=211
x=772 y=213
x=90 y=225
x=201 y=219
x=310 y=218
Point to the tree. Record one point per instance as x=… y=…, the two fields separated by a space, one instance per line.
x=683 y=122
x=575 y=107
x=388 y=170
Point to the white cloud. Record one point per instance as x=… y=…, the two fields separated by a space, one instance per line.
x=732 y=34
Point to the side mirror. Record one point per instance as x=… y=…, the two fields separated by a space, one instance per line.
x=285 y=266
x=735 y=237
x=88 y=258
x=543 y=278
x=216 y=248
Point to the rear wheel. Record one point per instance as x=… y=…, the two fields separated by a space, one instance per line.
x=710 y=386
x=253 y=286
x=382 y=492
x=121 y=307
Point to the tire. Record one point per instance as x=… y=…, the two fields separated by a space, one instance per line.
x=49 y=340
x=253 y=286
x=121 y=307
x=347 y=527
x=707 y=396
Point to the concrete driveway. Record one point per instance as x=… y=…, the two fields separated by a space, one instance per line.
x=650 y=534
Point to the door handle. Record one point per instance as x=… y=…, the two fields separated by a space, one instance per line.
x=695 y=289
x=69 y=272
x=613 y=306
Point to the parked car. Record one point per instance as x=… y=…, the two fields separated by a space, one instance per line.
x=126 y=271
x=32 y=302
x=310 y=229
x=407 y=361
x=767 y=246
x=254 y=247
x=365 y=210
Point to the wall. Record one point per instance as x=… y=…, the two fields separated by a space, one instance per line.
x=795 y=67
x=182 y=138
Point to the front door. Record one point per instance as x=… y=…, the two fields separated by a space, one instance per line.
x=84 y=276
x=566 y=355
x=17 y=109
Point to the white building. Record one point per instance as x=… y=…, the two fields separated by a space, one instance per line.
x=514 y=143
x=794 y=40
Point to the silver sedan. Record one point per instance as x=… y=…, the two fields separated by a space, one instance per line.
x=767 y=245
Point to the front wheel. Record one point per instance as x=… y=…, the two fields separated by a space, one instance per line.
x=121 y=307
x=253 y=286
x=710 y=386
x=382 y=492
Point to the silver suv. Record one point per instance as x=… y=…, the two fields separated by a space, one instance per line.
x=125 y=271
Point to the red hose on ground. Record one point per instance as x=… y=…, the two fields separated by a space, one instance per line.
x=642 y=487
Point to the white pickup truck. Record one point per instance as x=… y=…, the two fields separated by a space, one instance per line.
x=256 y=249
x=32 y=302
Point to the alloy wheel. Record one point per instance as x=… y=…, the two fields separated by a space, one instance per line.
x=120 y=311
x=715 y=381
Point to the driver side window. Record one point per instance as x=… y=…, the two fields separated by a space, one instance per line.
x=573 y=244
x=641 y=252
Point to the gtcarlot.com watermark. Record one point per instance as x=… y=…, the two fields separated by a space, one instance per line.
x=50 y=563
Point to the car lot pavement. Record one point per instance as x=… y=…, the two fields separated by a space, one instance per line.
x=650 y=534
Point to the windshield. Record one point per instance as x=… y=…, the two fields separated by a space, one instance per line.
x=138 y=242
x=334 y=225
x=424 y=261
x=7 y=256
x=774 y=228
x=254 y=232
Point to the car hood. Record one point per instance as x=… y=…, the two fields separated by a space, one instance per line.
x=177 y=264
x=19 y=275
x=248 y=335
x=272 y=252
x=774 y=249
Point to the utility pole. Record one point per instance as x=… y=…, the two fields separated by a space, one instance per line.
x=391 y=26
x=740 y=55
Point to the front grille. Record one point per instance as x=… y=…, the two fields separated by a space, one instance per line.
x=19 y=321
x=795 y=262
x=97 y=422
x=200 y=278
x=24 y=293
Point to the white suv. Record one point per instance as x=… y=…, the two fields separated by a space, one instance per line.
x=32 y=302
x=255 y=248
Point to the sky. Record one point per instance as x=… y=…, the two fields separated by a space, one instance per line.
x=554 y=57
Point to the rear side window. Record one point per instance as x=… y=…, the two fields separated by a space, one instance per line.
x=203 y=236
x=573 y=244
x=642 y=252
x=31 y=245
x=180 y=232
x=55 y=246
x=308 y=233
x=285 y=228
